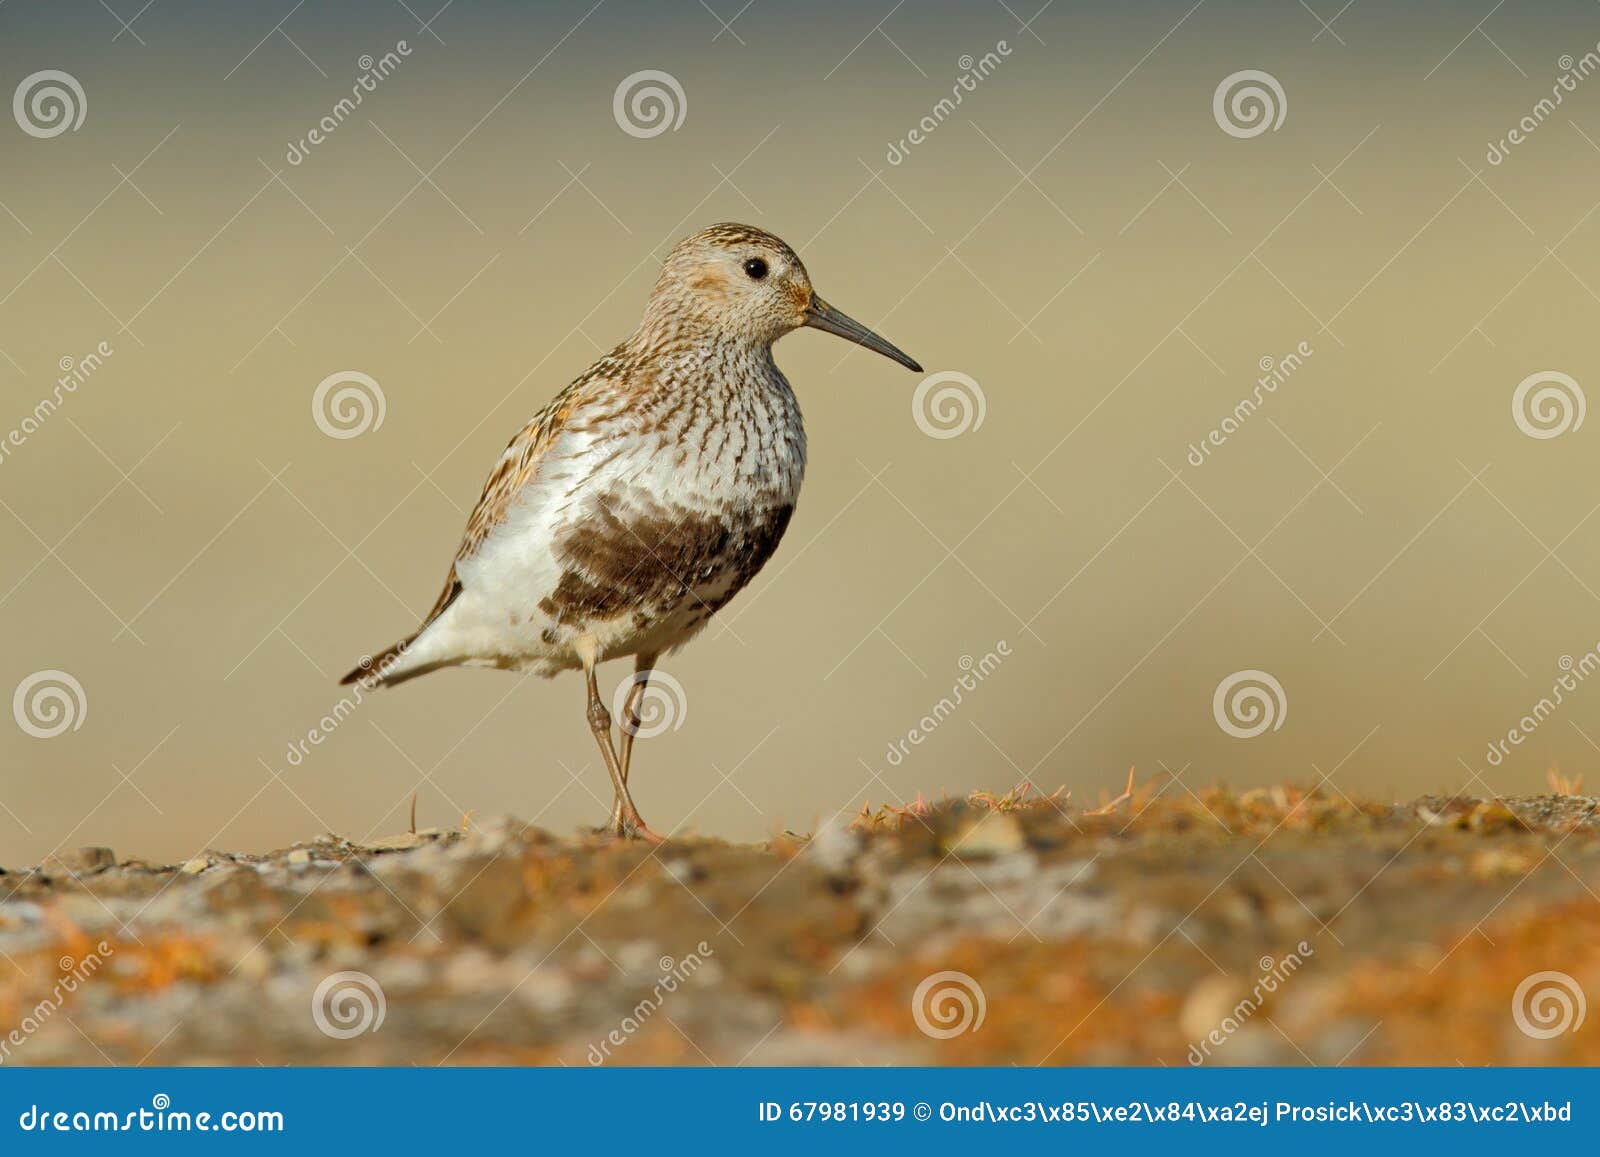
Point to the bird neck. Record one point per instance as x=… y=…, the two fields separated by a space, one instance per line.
x=686 y=342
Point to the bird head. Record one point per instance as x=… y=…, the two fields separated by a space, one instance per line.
x=744 y=282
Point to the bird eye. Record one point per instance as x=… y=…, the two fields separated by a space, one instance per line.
x=756 y=268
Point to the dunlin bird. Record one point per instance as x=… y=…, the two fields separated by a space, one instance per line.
x=647 y=493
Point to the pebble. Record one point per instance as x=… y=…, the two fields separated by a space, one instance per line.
x=80 y=862
x=403 y=842
x=195 y=866
x=404 y=973
x=642 y=958
x=994 y=833
x=681 y=870
x=1209 y=1003
x=546 y=991
x=834 y=848
x=471 y=969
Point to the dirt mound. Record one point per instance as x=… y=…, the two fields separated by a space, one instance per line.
x=1274 y=926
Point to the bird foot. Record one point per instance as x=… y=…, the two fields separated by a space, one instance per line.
x=622 y=828
x=634 y=828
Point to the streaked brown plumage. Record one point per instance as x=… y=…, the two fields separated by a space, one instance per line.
x=645 y=495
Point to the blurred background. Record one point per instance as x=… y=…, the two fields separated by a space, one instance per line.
x=1077 y=530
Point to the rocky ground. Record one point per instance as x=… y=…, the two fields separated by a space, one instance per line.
x=1273 y=926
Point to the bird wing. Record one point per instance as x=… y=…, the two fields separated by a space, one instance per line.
x=516 y=468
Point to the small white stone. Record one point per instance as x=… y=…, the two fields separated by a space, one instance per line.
x=546 y=991
x=834 y=848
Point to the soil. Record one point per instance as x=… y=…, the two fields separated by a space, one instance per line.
x=1281 y=925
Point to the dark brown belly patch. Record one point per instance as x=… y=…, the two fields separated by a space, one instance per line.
x=629 y=555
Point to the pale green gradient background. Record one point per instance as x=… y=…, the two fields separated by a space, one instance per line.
x=1054 y=526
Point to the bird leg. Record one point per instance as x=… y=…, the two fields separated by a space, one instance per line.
x=630 y=725
x=628 y=823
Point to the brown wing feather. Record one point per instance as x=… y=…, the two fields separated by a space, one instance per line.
x=516 y=467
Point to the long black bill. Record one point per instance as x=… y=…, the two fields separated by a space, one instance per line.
x=821 y=315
